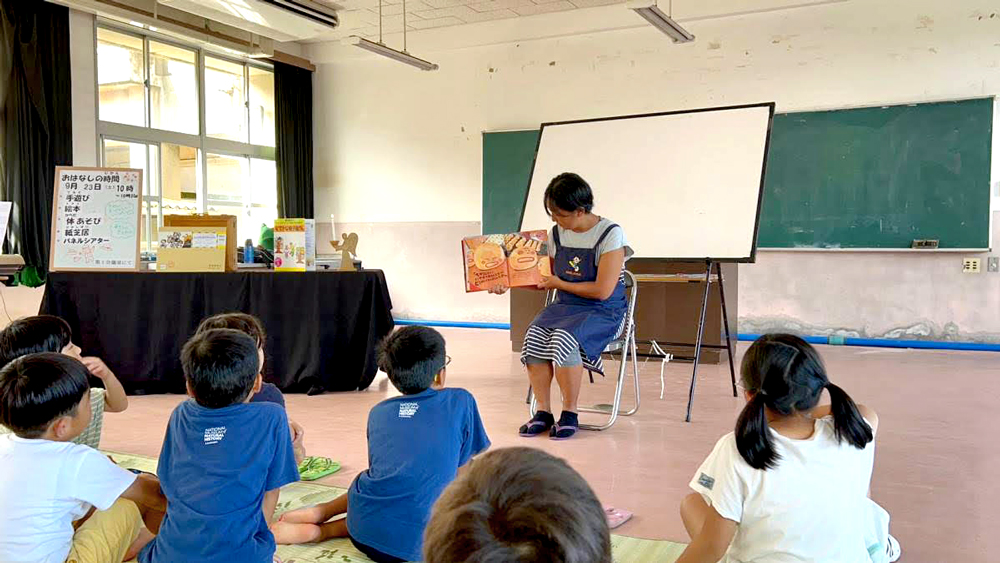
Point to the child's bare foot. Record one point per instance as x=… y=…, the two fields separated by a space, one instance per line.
x=145 y=536
x=288 y=533
x=307 y=515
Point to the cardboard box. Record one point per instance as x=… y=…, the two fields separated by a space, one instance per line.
x=294 y=245
x=226 y=223
x=192 y=249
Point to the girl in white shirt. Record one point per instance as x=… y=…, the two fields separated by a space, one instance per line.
x=791 y=483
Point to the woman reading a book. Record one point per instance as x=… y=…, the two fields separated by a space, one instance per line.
x=588 y=259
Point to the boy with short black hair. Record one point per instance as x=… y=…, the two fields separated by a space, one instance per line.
x=222 y=460
x=518 y=505
x=49 y=487
x=47 y=333
x=269 y=393
x=416 y=443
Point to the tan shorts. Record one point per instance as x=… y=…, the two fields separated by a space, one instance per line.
x=107 y=534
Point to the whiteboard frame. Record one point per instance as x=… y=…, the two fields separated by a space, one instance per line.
x=763 y=174
x=55 y=211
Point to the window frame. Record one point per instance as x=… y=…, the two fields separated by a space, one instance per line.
x=150 y=136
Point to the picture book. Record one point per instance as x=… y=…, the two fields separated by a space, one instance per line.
x=294 y=245
x=512 y=260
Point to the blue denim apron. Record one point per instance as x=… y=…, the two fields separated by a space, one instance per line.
x=592 y=322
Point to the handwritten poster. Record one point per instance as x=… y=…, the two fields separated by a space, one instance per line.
x=95 y=219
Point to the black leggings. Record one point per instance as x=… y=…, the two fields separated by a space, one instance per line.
x=376 y=555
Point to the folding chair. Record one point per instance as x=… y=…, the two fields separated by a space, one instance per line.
x=625 y=344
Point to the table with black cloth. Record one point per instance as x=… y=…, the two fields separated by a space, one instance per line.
x=322 y=327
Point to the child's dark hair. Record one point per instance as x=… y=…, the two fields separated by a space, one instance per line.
x=569 y=192
x=518 y=504
x=785 y=374
x=412 y=356
x=247 y=324
x=221 y=366
x=37 y=389
x=31 y=335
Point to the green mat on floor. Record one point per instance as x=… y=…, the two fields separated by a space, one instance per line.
x=297 y=495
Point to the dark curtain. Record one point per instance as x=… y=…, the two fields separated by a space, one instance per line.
x=293 y=116
x=36 y=114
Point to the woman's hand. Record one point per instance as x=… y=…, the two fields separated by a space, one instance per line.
x=551 y=282
x=498 y=289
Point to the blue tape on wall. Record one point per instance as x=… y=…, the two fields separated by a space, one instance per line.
x=829 y=340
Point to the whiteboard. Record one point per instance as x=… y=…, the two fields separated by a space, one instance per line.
x=95 y=219
x=683 y=185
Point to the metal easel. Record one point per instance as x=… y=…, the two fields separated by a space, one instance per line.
x=708 y=280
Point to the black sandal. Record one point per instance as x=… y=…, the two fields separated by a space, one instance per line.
x=539 y=424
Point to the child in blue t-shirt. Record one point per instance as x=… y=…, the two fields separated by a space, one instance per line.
x=416 y=443
x=223 y=460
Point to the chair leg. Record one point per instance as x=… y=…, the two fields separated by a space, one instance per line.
x=635 y=375
x=613 y=415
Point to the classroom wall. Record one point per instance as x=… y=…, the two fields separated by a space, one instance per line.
x=395 y=146
x=83 y=69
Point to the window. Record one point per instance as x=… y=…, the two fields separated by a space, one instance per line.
x=225 y=100
x=153 y=93
x=120 y=78
x=123 y=154
x=261 y=107
x=173 y=88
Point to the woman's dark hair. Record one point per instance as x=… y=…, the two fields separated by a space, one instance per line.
x=785 y=374
x=31 y=335
x=568 y=192
x=221 y=366
x=411 y=357
x=36 y=389
x=247 y=324
x=518 y=505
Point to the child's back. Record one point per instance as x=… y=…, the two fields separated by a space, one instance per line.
x=220 y=457
x=791 y=482
x=48 y=484
x=44 y=487
x=416 y=443
x=810 y=503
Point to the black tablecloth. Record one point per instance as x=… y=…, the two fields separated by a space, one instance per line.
x=322 y=327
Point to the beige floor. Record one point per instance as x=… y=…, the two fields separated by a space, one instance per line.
x=935 y=471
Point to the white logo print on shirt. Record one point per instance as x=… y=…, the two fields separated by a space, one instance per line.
x=214 y=435
x=407 y=410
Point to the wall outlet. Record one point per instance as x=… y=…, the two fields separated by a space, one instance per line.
x=993 y=265
x=971 y=265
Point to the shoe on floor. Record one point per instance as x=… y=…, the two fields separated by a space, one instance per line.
x=539 y=424
x=892 y=550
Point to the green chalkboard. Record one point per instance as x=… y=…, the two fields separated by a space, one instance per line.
x=858 y=178
x=507 y=161
x=880 y=177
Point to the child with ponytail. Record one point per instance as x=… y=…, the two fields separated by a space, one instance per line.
x=791 y=483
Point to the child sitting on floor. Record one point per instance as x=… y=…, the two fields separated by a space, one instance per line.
x=46 y=333
x=416 y=443
x=49 y=487
x=269 y=393
x=518 y=505
x=223 y=460
x=791 y=483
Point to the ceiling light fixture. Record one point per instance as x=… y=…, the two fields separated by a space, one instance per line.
x=379 y=48
x=664 y=22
